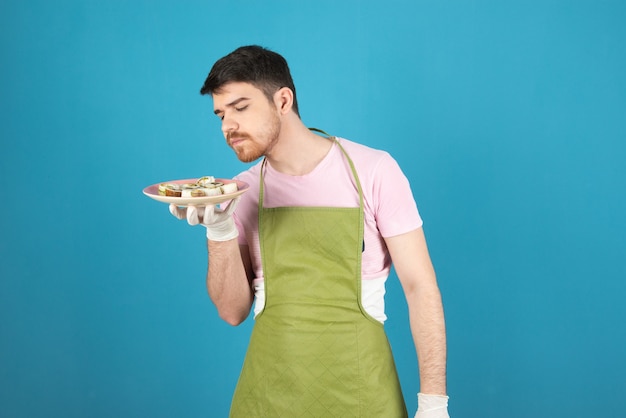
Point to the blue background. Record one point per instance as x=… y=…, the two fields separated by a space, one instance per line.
x=507 y=117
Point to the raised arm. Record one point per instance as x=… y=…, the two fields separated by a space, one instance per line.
x=229 y=280
x=229 y=274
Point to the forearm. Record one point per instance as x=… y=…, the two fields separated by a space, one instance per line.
x=429 y=334
x=227 y=283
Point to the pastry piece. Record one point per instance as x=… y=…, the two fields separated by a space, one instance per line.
x=229 y=188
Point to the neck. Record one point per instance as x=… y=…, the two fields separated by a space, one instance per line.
x=298 y=150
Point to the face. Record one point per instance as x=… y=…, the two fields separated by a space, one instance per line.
x=250 y=122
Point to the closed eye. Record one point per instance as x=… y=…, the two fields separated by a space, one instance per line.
x=233 y=105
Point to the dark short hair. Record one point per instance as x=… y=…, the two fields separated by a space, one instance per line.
x=264 y=69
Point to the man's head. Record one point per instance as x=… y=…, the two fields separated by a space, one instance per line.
x=264 y=69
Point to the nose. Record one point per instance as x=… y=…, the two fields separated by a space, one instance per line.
x=229 y=124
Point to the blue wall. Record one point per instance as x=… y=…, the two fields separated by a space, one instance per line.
x=508 y=118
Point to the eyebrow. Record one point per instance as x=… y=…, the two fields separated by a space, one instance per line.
x=231 y=104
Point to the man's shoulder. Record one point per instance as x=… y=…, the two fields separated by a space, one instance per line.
x=363 y=154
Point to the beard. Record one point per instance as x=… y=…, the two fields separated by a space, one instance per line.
x=254 y=147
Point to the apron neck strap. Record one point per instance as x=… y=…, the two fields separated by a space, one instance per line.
x=320 y=131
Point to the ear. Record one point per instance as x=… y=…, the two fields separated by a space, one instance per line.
x=283 y=99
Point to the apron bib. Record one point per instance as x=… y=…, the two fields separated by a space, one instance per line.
x=314 y=352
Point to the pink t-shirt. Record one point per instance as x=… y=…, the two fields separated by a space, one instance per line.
x=389 y=210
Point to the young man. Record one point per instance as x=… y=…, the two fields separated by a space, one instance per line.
x=310 y=245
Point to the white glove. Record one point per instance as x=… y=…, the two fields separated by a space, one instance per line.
x=432 y=406
x=219 y=223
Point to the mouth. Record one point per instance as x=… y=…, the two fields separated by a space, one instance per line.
x=233 y=140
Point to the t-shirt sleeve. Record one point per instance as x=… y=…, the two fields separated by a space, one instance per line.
x=395 y=207
x=241 y=238
x=246 y=209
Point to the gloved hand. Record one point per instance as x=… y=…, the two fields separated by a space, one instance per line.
x=219 y=222
x=432 y=406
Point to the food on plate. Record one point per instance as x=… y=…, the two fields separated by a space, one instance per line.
x=204 y=186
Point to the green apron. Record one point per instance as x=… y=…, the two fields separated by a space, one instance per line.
x=314 y=351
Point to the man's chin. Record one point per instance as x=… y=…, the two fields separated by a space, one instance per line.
x=247 y=158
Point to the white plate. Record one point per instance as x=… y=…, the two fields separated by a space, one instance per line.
x=153 y=193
